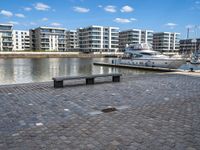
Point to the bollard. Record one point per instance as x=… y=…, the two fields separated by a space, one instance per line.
x=191 y=70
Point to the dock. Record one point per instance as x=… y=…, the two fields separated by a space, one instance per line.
x=137 y=67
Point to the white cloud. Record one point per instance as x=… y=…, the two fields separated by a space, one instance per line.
x=42 y=7
x=127 y=9
x=13 y=22
x=110 y=8
x=196 y=5
x=55 y=24
x=171 y=25
x=27 y=9
x=33 y=23
x=100 y=6
x=81 y=9
x=133 y=19
x=123 y=20
x=20 y=15
x=197 y=2
x=6 y=13
x=45 y=19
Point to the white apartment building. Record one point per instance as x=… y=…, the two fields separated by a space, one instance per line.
x=98 y=39
x=21 y=40
x=6 y=37
x=135 y=36
x=48 y=38
x=166 y=41
x=71 y=40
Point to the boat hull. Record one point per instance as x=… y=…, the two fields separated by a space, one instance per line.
x=162 y=63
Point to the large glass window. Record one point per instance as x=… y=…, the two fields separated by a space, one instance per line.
x=5 y=27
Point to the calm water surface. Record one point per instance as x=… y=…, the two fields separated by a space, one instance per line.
x=17 y=70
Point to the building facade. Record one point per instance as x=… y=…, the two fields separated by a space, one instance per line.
x=98 y=39
x=166 y=42
x=135 y=36
x=71 y=40
x=6 y=43
x=187 y=46
x=48 y=38
x=21 y=40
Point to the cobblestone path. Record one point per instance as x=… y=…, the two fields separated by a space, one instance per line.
x=154 y=112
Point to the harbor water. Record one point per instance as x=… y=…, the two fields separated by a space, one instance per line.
x=18 y=70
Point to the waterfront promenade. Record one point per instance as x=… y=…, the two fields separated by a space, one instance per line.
x=154 y=112
x=56 y=54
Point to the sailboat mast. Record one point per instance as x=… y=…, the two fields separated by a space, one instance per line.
x=188 y=32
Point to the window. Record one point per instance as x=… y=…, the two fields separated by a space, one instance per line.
x=149 y=54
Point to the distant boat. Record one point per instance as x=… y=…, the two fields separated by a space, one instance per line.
x=195 y=58
x=142 y=55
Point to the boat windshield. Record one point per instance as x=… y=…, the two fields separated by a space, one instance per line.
x=150 y=53
x=137 y=55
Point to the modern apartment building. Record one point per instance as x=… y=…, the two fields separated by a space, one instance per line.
x=166 y=41
x=48 y=38
x=21 y=40
x=71 y=40
x=6 y=43
x=98 y=39
x=135 y=36
x=187 y=46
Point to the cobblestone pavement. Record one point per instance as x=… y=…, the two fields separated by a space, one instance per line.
x=154 y=112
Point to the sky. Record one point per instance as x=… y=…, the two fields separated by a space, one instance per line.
x=156 y=15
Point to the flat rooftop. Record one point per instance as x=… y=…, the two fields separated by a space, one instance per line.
x=154 y=111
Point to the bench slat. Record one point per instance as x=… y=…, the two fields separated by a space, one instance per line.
x=68 y=78
x=84 y=77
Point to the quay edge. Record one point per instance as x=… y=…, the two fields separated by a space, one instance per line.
x=54 y=55
x=137 y=67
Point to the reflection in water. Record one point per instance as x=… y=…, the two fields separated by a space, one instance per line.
x=43 y=69
x=23 y=72
x=6 y=70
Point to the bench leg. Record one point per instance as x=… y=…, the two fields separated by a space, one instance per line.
x=58 y=84
x=116 y=78
x=89 y=80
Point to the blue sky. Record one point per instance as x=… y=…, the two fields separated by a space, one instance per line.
x=157 y=15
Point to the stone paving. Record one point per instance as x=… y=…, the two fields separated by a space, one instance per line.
x=154 y=112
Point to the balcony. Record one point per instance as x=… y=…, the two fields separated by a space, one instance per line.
x=44 y=37
x=6 y=35
x=6 y=41
x=7 y=47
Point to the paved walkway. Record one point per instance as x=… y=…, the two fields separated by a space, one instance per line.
x=154 y=112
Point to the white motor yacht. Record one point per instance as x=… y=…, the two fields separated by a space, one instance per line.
x=142 y=55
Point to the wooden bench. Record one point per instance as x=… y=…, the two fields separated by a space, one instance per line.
x=58 y=81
